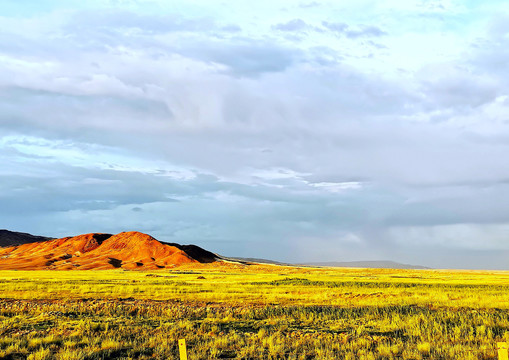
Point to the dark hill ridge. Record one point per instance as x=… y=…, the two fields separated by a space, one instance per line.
x=127 y=250
x=12 y=238
x=196 y=252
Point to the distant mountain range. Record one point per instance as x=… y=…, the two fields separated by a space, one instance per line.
x=245 y=260
x=128 y=250
x=380 y=264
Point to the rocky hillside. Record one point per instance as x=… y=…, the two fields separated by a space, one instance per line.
x=127 y=250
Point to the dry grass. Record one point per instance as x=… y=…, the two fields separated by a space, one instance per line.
x=263 y=312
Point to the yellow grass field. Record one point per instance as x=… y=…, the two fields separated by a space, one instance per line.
x=253 y=312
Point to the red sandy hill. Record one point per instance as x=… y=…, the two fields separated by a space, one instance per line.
x=127 y=250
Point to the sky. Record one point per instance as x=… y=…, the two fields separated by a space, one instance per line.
x=296 y=131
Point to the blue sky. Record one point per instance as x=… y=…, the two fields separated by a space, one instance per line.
x=296 y=131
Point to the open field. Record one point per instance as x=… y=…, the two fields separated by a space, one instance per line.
x=255 y=312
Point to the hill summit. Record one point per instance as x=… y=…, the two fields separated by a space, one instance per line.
x=127 y=250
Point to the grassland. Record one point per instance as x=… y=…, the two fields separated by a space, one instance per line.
x=253 y=313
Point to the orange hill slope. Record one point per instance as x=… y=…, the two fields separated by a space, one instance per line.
x=128 y=250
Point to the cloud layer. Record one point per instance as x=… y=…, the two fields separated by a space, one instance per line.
x=302 y=132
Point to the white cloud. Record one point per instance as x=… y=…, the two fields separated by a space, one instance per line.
x=338 y=187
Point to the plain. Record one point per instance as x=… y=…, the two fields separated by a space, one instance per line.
x=253 y=312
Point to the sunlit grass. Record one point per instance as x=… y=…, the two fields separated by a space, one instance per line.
x=253 y=313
